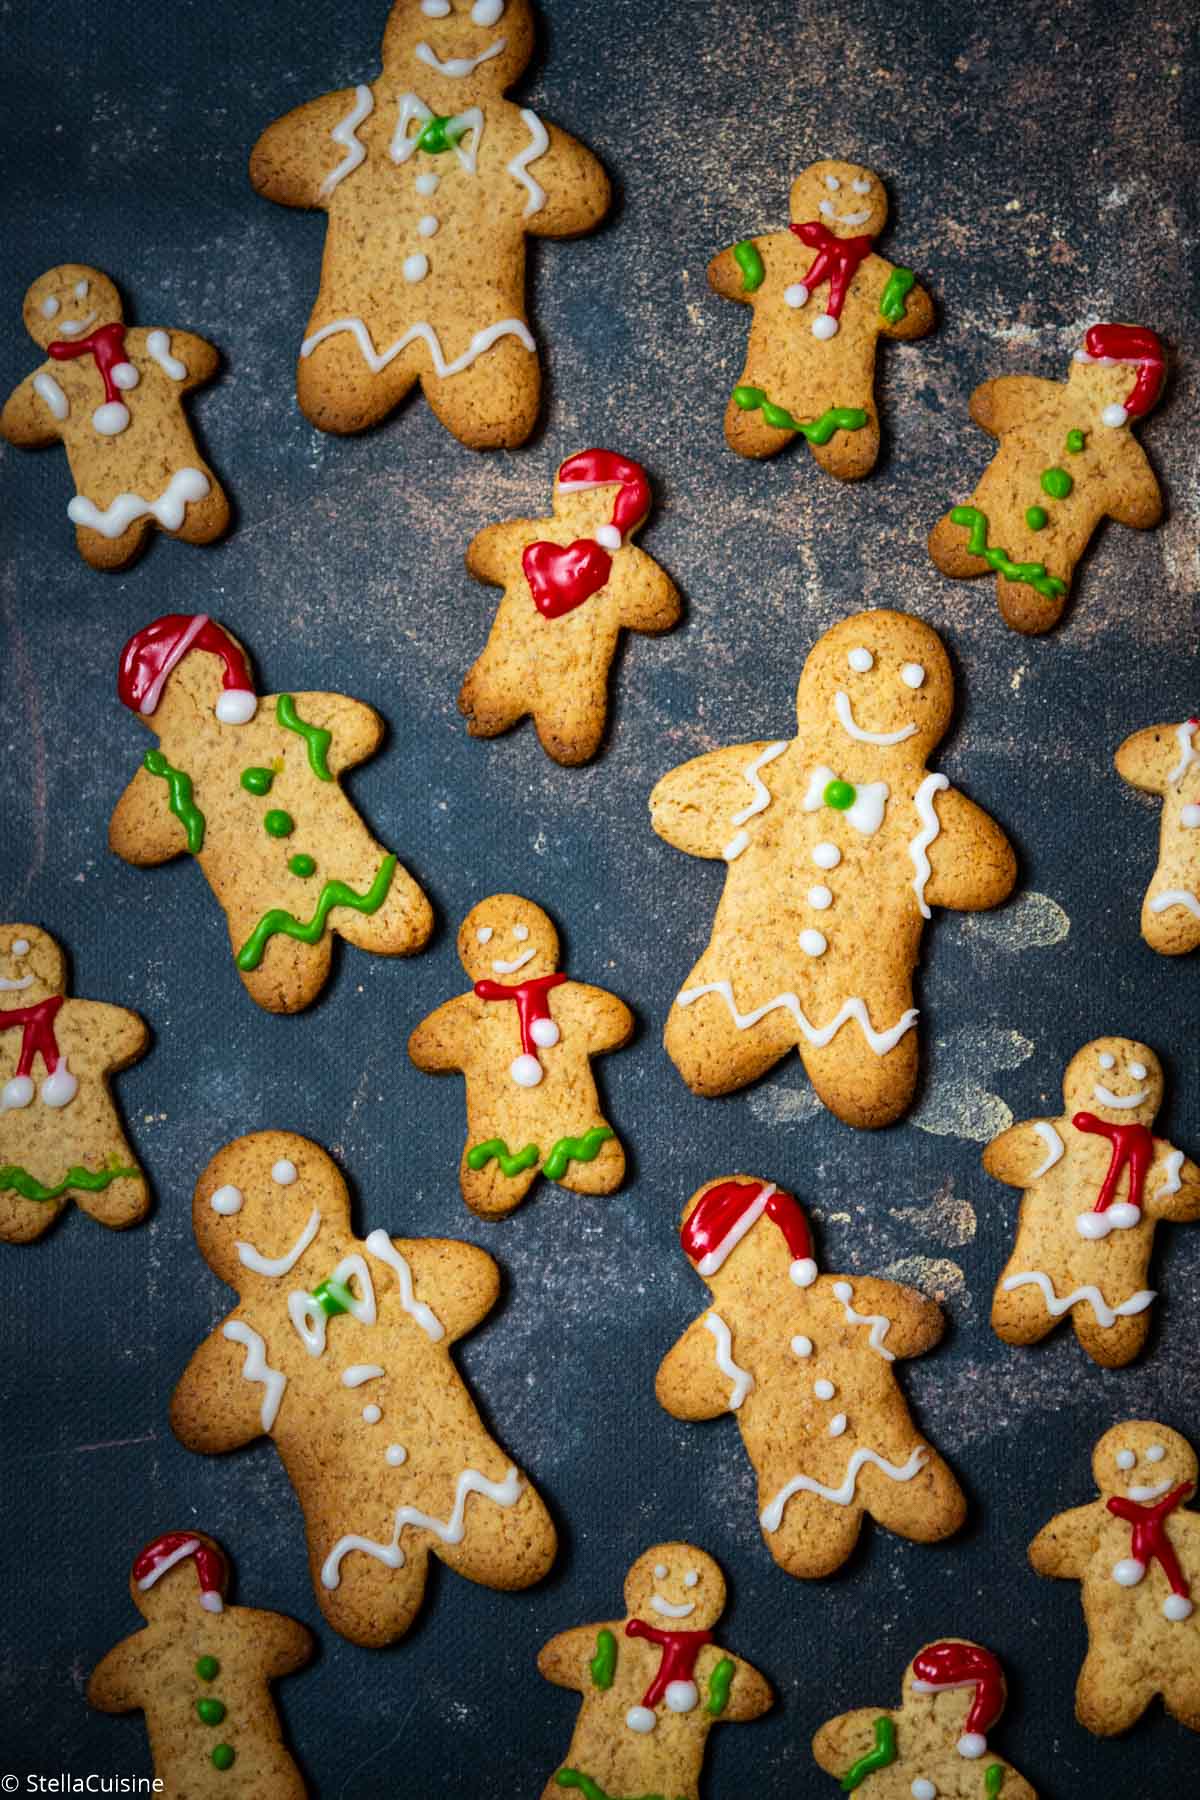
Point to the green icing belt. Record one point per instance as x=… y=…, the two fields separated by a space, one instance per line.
x=1033 y=574
x=334 y=893
x=900 y=284
x=748 y=260
x=718 y=1687
x=480 y=1155
x=591 y=1790
x=317 y=739
x=565 y=1152
x=30 y=1188
x=179 y=798
x=881 y=1757
x=834 y=418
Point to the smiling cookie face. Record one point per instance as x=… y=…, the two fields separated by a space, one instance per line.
x=853 y=688
x=1142 y=1461
x=847 y=199
x=68 y=303
x=462 y=50
x=266 y=1207
x=676 y=1587
x=507 y=939
x=32 y=967
x=1119 y=1080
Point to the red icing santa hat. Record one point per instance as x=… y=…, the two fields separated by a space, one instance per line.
x=175 y=1547
x=153 y=652
x=604 y=468
x=1142 y=349
x=562 y=577
x=727 y=1212
x=940 y=1667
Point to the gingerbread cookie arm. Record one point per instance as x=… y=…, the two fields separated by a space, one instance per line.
x=690 y=1383
x=900 y=1319
x=286 y=1645
x=972 y=864
x=493 y=555
x=27 y=420
x=356 y=729
x=141 y=830
x=126 y=1034
x=1173 y=1187
x=844 y=1741
x=200 y=360
x=458 y=1283
x=438 y=1045
x=293 y=158
x=1145 y=760
x=1018 y=1153
x=650 y=601
x=565 y=1659
x=748 y=1693
x=577 y=190
x=725 y=276
x=916 y=315
x=113 y=1686
x=691 y=806
x=606 y=1021
x=216 y=1368
x=1065 y=1546
x=1134 y=496
x=1011 y=401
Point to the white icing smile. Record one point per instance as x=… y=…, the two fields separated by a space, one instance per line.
x=666 y=1610
x=1142 y=1494
x=250 y=1258
x=73 y=327
x=457 y=68
x=518 y=962
x=15 y=985
x=828 y=211
x=845 y=713
x=1122 y=1102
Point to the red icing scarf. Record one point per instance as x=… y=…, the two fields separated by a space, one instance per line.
x=679 y=1652
x=1132 y=1145
x=837 y=261
x=1150 y=1542
x=531 y=1001
x=106 y=344
x=37 y=1023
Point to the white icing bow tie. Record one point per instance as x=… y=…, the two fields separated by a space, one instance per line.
x=444 y=134
x=863 y=805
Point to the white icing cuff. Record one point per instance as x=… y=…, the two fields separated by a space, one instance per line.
x=16 y=1093
x=544 y=1033
x=640 y=1718
x=60 y=1088
x=1176 y=1607
x=796 y=295
x=125 y=376
x=235 y=706
x=1128 y=1572
x=111 y=419
x=824 y=327
x=212 y=1603
x=1114 y=415
x=608 y=537
x=972 y=1745
x=803 y=1271
x=526 y=1071
x=682 y=1696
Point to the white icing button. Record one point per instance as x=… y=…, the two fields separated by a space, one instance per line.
x=60 y=1088
x=1138 y=1071
x=1125 y=1459
x=125 y=376
x=922 y=1789
x=111 y=419
x=520 y=932
x=1177 y=1607
x=19 y=947
x=227 y=1200
x=427 y=184
x=396 y=1454
x=837 y=1425
x=427 y=227
x=640 y=1718
x=820 y=897
x=801 y=1346
x=1189 y=816
x=608 y=537
x=372 y=1414
x=682 y=1696
x=860 y=660
x=824 y=327
x=796 y=295
x=912 y=675
x=544 y=1032
x=803 y=1271
x=284 y=1173
x=1128 y=1572
x=416 y=268
x=235 y=706
x=1113 y=415
x=826 y=856
x=824 y=1390
x=50 y=307
x=16 y=1093
x=1106 y=1059
x=484 y=935
x=526 y=1071
x=813 y=943
x=1155 y=1453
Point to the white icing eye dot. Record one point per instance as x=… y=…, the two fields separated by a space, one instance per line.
x=1138 y=1071
x=20 y=947
x=484 y=935
x=691 y=1579
x=912 y=675
x=284 y=1173
x=486 y=12
x=832 y=183
x=435 y=9
x=861 y=187
x=1155 y=1453
x=860 y=661
x=520 y=932
x=81 y=290
x=227 y=1200
x=1106 y=1059
x=1125 y=1459
x=660 y=1570
x=50 y=307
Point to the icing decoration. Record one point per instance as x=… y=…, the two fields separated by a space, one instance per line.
x=561 y=577
x=993 y=1781
x=158 y=347
x=923 y=1790
x=518 y=168
x=533 y=1009
x=896 y=290
x=1054 y=1147
x=813 y=943
x=279 y=824
x=223 y=1757
x=719 y=1683
x=505 y=1493
x=250 y=1258
x=153 y=652
x=1105 y=1314
x=591 y=1790
x=861 y=660
x=309 y=1313
x=941 y=1667
x=880 y=1326
x=930 y=828
x=837 y=1425
x=760 y=801
x=912 y=675
x=37 y=1039
x=772 y=1515
x=184 y=486
x=603 y=1665
x=179 y=798
x=227 y=1200
x=881 y=1757
x=721 y=1219
x=379 y=360
x=1132 y=1148
x=439 y=133
x=106 y=345
x=676 y=1669
x=1138 y=346
x=1076 y=441
x=817 y=431
x=480 y=1155
x=1176 y=897
x=1037 y=518
x=864 y=805
x=258 y=781
x=47 y=389
x=1187 y=753
x=208 y=1668
x=1149 y=1543
x=1171 y=1168
x=1033 y=574
x=302 y=865
x=256 y=1368
x=845 y=712
x=457 y=68
x=1057 y=483
x=575 y=1149
x=334 y=893
x=357 y=1373
x=315 y=737
x=381 y=1246
x=17 y=1180
x=742 y=1379
x=173 y=1547
x=749 y=261
x=818 y=1035
x=345 y=135
x=836 y=261
x=210 y=1712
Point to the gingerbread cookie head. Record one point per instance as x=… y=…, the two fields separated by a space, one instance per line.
x=1120 y=370
x=1115 y=1079
x=68 y=303
x=676 y=1586
x=507 y=939
x=1142 y=1461
x=452 y=51
x=724 y=1216
x=604 y=496
x=847 y=199
x=176 y=1573
x=963 y=1686
x=184 y=664
x=32 y=967
x=880 y=679
x=261 y=1204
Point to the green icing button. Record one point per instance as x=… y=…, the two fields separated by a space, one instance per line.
x=279 y=824
x=211 y=1711
x=223 y=1756
x=1075 y=441
x=208 y=1668
x=258 y=781
x=1057 y=483
x=839 y=795
x=303 y=865
x=1036 y=517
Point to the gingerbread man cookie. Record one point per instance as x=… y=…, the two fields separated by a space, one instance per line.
x=1067 y=459
x=653 y=1683
x=339 y=1350
x=200 y=1671
x=523 y=1040
x=431 y=181
x=112 y=395
x=1096 y=1183
x=60 y=1137
x=821 y=297
x=571 y=584
x=838 y=843
x=933 y=1746
x=1136 y=1551
x=805 y=1362
x=1164 y=759
x=251 y=788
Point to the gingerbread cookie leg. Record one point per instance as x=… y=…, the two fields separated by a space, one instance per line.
x=337 y=390
x=812 y=1539
x=372 y=1604
x=712 y=1053
x=1114 y=1345
x=493 y=404
x=1020 y=1314
x=1109 y=1698
x=874 y=1090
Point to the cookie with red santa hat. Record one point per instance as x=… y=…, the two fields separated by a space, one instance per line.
x=250 y=786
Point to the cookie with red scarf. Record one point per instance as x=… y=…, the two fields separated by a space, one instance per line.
x=821 y=297
x=60 y=1136
x=1165 y=760
x=1067 y=460
x=112 y=395
x=572 y=583
x=1096 y=1182
x=653 y=1683
x=1135 y=1550
x=935 y=1743
x=523 y=1040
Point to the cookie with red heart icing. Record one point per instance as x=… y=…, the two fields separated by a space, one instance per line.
x=572 y=583
x=1165 y=760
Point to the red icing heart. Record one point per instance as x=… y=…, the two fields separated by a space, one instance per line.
x=560 y=579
